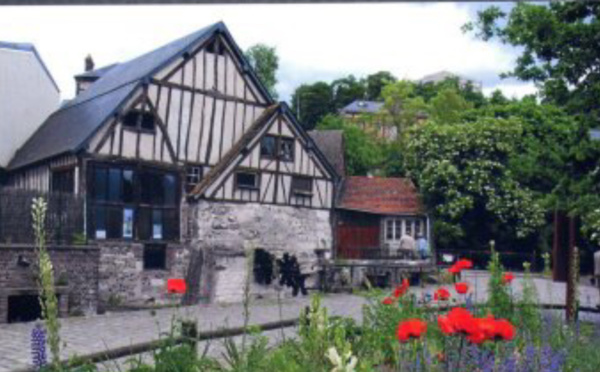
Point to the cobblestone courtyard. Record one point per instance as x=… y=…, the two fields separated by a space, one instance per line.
x=99 y=333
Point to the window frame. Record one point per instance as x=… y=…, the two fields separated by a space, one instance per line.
x=245 y=187
x=189 y=186
x=164 y=266
x=102 y=204
x=139 y=127
x=278 y=148
x=301 y=192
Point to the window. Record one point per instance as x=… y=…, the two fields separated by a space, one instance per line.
x=302 y=185
x=273 y=147
x=63 y=181
x=246 y=180
x=393 y=228
x=138 y=203
x=139 y=120
x=155 y=257
x=268 y=147
x=286 y=149
x=193 y=177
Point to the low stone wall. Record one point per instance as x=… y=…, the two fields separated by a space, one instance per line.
x=124 y=281
x=75 y=273
x=228 y=232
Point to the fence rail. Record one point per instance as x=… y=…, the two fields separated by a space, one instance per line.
x=64 y=219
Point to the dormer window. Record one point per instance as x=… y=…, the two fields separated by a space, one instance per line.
x=139 y=120
x=273 y=147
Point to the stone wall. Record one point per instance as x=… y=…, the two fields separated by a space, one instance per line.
x=124 y=281
x=75 y=273
x=227 y=232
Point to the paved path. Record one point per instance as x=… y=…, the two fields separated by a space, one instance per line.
x=95 y=334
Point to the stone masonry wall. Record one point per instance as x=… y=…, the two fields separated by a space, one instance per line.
x=123 y=279
x=226 y=232
x=75 y=274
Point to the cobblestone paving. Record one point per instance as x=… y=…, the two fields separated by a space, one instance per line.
x=95 y=334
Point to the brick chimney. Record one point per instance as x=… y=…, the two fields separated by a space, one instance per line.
x=89 y=63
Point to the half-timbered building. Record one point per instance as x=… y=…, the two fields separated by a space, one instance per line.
x=187 y=165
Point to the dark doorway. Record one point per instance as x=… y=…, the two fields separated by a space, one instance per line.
x=24 y=308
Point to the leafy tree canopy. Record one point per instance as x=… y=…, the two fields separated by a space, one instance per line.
x=559 y=49
x=347 y=90
x=375 y=83
x=265 y=62
x=311 y=102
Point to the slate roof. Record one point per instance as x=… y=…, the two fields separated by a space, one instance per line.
x=27 y=47
x=69 y=129
x=331 y=144
x=380 y=195
x=96 y=73
x=362 y=107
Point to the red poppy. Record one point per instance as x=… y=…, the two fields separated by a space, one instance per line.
x=460 y=319
x=504 y=329
x=441 y=294
x=507 y=278
x=454 y=270
x=461 y=288
x=387 y=301
x=446 y=325
x=176 y=286
x=411 y=328
x=401 y=289
x=464 y=264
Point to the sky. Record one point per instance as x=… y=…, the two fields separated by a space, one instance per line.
x=314 y=42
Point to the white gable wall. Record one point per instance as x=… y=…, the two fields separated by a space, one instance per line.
x=27 y=97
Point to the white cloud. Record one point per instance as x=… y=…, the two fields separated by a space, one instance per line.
x=314 y=42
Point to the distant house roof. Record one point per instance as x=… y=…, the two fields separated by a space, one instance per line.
x=96 y=73
x=27 y=47
x=380 y=195
x=70 y=128
x=443 y=75
x=331 y=144
x=362 y=107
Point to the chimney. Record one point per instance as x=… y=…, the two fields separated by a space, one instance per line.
x=89 y=63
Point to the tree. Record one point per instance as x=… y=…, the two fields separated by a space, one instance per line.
x=464 y=175
x=376 y=82
x=265 y=62
x=404 y=108
x=363 y=153
x=448 y=106
x=312 y=102
x=559 y=49
x=346 y=90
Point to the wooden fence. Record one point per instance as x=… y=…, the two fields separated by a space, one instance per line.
x=64 y=219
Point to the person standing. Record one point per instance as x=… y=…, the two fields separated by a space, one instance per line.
x=407 y=244
x=423 y=246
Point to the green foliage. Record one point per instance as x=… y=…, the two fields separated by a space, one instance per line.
x=527 y=313
x=265 y=62
x=347 y=90
x=312 y=102
x=464 y=176
x=363 y=152
x=47 y=291
x=448 y=106
x=375 y=84
x=403 y=107
x=558 y=43
x=499 y=300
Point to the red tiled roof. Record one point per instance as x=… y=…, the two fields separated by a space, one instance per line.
x=380 y=195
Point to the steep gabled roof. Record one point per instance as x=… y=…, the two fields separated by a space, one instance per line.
x=27 y=47
x=70 y=128
x=331 y=144
x=240 y=145
x=278 y=109
x=380 y=195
